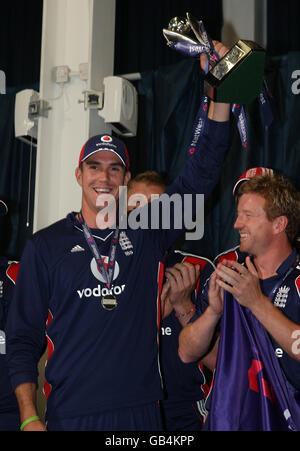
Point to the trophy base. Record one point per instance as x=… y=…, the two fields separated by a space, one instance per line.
x=238 y=76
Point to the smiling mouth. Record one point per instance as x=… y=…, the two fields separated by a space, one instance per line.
x=102 y=190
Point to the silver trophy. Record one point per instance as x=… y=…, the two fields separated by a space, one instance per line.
x=236 y=78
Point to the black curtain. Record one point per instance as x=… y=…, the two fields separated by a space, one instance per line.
x=139 y=42
x=20 y=49
x=20 y=37
x=283 y=26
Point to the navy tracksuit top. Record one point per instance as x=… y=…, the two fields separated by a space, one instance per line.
x=98 y=359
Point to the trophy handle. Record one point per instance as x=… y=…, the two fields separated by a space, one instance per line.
x=173 y=36
x=194 y=24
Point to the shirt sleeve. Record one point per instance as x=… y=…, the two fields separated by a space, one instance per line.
x=199 y=176
x=27 y=318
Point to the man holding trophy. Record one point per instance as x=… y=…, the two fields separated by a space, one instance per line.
x=103 y=371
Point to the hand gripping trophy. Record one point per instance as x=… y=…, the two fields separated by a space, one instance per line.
x=237 y=78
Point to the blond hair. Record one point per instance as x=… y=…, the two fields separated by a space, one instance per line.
x=281 y=199
x=148 y=177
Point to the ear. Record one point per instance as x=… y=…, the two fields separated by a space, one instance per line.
x=127 y=177
x=78 y=175
x=279 y=224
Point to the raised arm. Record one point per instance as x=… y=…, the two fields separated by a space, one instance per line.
x=218 y=112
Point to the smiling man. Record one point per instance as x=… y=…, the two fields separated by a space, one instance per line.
x=252 y=223
x=102 y=169
x=97 y=293
x=262 y=275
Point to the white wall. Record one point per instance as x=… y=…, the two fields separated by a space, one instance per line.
x=74 y=32
x=244 y=19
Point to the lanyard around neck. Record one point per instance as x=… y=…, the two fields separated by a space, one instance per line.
x=108 y=273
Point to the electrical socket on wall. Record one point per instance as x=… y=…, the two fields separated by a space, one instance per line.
x=61 y=74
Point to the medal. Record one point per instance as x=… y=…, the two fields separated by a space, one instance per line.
x=109 y=302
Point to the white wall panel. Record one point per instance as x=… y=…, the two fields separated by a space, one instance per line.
x=74 y=32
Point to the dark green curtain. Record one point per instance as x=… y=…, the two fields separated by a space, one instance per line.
x=172 y=99
x=278 y=148
x=20 y=37
x=16 y=182
x=172 y=94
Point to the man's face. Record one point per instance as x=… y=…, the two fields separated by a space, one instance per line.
x=142 y=193
x=102 y=173
x=255 y=229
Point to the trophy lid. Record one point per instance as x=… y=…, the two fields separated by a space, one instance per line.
x=179 y=30
x=179 y=25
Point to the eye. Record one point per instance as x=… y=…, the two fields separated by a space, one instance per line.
x=115 y=169
x=243 y=215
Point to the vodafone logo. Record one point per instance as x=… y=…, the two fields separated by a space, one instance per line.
x=100 y=291
x=96 y=273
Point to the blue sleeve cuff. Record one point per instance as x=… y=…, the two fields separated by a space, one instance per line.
x=23 y=378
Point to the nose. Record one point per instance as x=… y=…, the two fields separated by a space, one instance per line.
x=238 y=223
x=103 y=175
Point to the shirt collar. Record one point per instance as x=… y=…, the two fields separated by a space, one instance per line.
x=287 y=263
